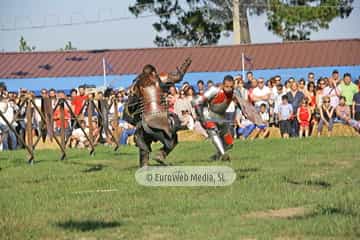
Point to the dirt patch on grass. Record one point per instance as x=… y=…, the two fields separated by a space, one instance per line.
x=279 y=213
x=318 y=174
x=342 y=164
x=156 y=233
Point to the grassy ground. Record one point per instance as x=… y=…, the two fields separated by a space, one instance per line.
x=285 y=189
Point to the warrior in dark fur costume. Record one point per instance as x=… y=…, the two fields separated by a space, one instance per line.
x=147 y=110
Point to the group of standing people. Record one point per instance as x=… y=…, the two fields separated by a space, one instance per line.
x=219 y=111
x=296 y=106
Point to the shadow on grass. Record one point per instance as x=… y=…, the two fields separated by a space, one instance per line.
x=134 y=167
x=118 y=153
x=240 y=177
x=246 y=170
x=87 y=225
x=14 y=163
x=152 y=164
x=94 y=168
x=316 y=183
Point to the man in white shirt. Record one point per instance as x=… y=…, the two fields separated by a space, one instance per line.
x=333 y=91
x=277 y=100
x=7 y=108
x=261 y=94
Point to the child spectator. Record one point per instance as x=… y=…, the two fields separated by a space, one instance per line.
x=264 y=114
x=77 y=138
x=96 y=132
x=304 y=115
x=187 y=120
x=344 y=115
x=327 y=114
x=285 y=114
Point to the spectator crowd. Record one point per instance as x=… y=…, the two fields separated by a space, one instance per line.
x=294 y=106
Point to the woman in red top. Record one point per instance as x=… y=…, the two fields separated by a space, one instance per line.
x=304 y=116
x=311 y=95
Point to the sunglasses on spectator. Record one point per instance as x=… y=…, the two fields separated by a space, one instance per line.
x=326 y=101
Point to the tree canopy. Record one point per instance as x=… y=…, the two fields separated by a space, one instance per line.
x=202 y=22
x=24 y=47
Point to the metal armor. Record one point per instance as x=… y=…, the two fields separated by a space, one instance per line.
x=217 y=101
x=150 y=114
x=155 y=113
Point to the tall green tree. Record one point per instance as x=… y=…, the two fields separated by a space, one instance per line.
x=297 y=19
x=201 y=22
x=197 y=22
x=24 y=47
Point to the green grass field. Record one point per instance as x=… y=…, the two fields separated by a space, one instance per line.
x=285 y=189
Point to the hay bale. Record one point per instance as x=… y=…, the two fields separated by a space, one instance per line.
x=339 y=129
x=188 y=135
x=274 y=132
x=47 y=144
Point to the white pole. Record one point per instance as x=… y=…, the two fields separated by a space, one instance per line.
x=104 y=69
x=243 y=66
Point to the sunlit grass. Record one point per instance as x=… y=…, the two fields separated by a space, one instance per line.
x=50 y=199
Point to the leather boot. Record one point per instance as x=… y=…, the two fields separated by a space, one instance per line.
x=160 y=157
x=225 y=157
x=215 y=157
x=144 y=159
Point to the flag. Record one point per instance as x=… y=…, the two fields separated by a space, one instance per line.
x=249 y=61
x=109 y=68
